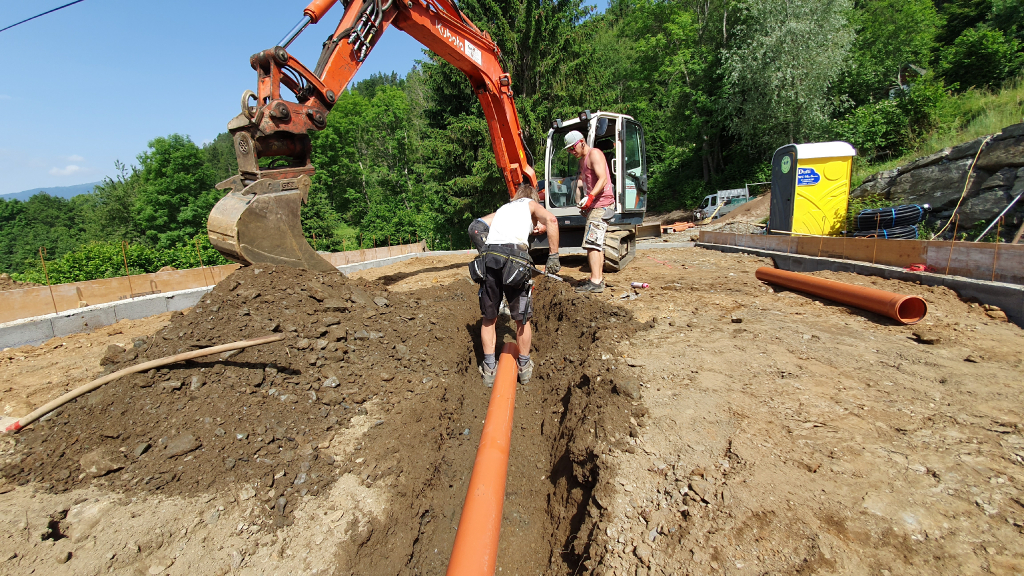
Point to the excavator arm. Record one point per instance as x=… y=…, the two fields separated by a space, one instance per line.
x=258 y=220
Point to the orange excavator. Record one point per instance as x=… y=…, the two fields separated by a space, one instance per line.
x=258 y=220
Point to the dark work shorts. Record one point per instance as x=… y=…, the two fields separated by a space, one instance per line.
x=520 y=300
x=478 y=234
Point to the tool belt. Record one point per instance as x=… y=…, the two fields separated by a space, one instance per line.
x=514 y=263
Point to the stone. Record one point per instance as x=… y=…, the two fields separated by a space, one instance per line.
x=102 y=461
x=246 y=493
x=362 y=335
x=337 y=305
x=703 y=489
x=359 y=296
x=112 y=355
x=330 y=321
x=330 y=397
x=331 y=382
x=381 y=301
x=1012 y=131
x=1002 y=178
x=939 y=184
x=628 y=388
x=171 y=385
x=643 y=553
x=141 y=449
x=925 y=336
x=197 y=382
x=1002 y=153
x=984 y=207
x=996 y=315
x=182 y=444
x=927 y=160
x=965 y=150
x=385 y=377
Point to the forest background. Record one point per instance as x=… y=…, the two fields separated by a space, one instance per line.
x=718 y=85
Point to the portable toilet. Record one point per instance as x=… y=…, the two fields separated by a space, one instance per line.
x=811 y=188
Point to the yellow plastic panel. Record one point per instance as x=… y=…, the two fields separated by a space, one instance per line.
x=822 y=195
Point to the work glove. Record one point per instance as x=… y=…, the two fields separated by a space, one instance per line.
x=586 y=202
x=553 y=265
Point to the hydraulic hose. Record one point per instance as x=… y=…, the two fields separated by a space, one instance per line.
x=885 y=218
x=903 y=309
x=81 y=390
x=475 y=552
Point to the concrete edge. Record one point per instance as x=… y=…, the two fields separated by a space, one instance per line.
x=35 y=331
x=1008 y=297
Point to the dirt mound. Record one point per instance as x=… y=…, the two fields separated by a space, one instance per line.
x=6 y=283
x=255 y=417
x=264 y=425
x=753 y=211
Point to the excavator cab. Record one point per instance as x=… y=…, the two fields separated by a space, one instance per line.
x=621 y=139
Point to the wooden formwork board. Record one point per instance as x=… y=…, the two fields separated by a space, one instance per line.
x=983 y=261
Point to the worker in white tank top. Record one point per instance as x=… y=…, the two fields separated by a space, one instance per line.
x=509 y=237
x=512 y=224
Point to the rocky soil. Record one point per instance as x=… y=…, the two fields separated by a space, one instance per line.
x=708 y=424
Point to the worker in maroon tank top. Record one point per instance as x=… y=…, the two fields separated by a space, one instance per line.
x=593 y=194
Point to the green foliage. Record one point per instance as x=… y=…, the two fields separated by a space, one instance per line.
x=220 y=157
x=891 y=34
x=175 y=192
x=778 y=67
x=105 y=259
x=981 y=58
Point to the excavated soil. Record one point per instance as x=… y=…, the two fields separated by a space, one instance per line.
x=389 y=377
x=7 y=284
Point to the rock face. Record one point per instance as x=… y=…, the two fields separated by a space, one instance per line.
x=939 y=180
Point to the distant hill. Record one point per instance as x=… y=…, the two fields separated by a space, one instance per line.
x=59 y=191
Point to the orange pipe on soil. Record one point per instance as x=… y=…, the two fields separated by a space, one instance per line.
x=475 y=552
x=903 y=309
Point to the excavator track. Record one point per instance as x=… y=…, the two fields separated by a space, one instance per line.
x=619 y=250
x=259 y=223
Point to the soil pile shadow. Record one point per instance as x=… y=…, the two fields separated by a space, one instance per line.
x=258 y=423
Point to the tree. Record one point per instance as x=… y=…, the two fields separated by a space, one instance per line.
x=220 y=157
x=175 y=193
x=779 y=65
x=890 y=35
x=980 y=58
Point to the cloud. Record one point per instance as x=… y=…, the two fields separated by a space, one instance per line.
x=75 y=158
x=66 y=171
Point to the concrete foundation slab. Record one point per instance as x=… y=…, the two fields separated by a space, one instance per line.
x=86 y=320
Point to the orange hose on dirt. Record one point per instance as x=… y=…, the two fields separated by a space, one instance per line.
x=38 y=413
x=475 y=552
x=903 y=309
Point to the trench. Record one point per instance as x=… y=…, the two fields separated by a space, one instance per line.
x=564 y=418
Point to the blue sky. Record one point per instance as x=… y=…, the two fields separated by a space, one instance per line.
x=95 y=82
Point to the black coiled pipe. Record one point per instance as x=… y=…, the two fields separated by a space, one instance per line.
x=884 y=218
x=898 y=233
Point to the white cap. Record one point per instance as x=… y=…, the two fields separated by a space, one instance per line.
x=572 y=138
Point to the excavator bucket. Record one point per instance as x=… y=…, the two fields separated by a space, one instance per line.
x=260 y=223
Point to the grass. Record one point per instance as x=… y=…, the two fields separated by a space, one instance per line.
x=960 y=118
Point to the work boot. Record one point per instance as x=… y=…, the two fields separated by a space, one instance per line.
x=526 y=372
x=589 y=286
x=488 y=374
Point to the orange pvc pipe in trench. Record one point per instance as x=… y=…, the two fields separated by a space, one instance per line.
x=903 y=309
x=475 y=552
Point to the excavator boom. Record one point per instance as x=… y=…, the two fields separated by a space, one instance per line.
x=258 y=221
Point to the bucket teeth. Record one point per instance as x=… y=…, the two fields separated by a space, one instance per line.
x=260 y=224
